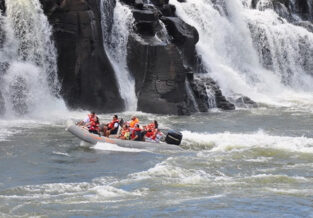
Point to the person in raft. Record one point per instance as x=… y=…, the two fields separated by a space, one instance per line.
x=86 y=122
x=94 y=126
x=137 y=134
x=112 y=127
x=91 y=122
x=152 y=131
x=134 y=120
x=124 y=133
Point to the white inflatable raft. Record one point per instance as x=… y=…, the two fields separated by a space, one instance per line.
x=85 y=135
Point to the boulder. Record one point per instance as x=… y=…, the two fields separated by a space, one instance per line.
x=168 y=10
x=138 y=4
x=221 y=101
x=208 y=94
x=159 y=74
x=181 y=31
x=146 y=21
x=246 y=102
x=184 y=36
x=145 y=15
x=159 y=2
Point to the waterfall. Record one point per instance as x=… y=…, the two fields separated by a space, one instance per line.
x=211 y=96
x=191 y=96
x=255 y=53
x=115 y=44
x=28 y=61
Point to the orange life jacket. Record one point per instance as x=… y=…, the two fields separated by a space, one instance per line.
x=133 y=123
x=112 y=123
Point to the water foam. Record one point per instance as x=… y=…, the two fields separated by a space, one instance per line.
x=168 y=172
x=239 y=141
x=112 y=147
x=69 y=192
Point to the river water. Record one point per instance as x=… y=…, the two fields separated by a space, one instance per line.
x=248 y=162
x=243 y=163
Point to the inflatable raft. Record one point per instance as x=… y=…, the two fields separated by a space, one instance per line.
x=172 y=140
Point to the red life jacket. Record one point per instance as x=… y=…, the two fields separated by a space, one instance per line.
x=149 y=134
x=111 y=124
x=134 y=132
x=151 y=126
x=155 y=132
x=152 y=134
x=94 y=126
x=91 y=119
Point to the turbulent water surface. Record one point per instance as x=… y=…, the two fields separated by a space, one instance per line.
x=243 y=163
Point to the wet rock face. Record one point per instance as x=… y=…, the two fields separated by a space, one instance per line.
x=160 y=76
x=2 y=105
x=184 y=36
x=87 y=77
x=156 y=61
x=201 y=86
x=2 y=36
x=161 y=51
x=2 y=7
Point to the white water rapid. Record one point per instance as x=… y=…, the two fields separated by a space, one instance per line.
x=28 y=61
x=252 y=52
x=115 y=43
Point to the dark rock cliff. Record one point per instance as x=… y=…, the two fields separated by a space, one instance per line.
x=2 y=65
x=161 y=52
x=161 y=55
x=87 y=77
x=2 y=6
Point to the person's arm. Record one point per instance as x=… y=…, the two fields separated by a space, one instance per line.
x=136 y=137
x=83 y=122
x=80 y=123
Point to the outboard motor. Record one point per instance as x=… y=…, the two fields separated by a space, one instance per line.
x=173 y=137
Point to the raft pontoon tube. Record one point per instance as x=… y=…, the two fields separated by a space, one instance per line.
x=172 y=139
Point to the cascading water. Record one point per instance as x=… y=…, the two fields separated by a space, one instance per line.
x=191 y=96
x=285 y=49
x=28 y=60
x=230 y=32
x=115 y=44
